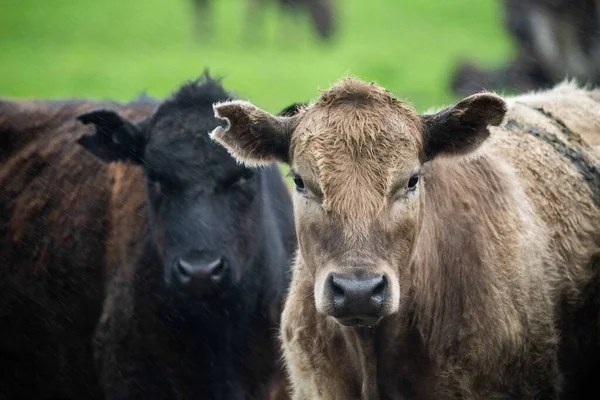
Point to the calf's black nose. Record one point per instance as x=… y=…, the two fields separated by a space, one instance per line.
x=357 y=300
x=200 y=275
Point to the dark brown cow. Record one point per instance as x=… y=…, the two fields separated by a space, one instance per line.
x=168 y=261
x=450 y=255
x=554 y=39
x=54 y=212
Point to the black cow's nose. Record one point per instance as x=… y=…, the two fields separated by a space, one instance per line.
x=357 y=299
x=200 y=274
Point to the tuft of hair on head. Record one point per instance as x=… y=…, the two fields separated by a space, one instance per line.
x=354 y=91
x=197 y=94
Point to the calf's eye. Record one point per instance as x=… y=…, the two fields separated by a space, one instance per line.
x=299 y=183
x=412 y=182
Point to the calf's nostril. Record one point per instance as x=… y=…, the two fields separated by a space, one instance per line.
x=380 y=289
x=336 y=289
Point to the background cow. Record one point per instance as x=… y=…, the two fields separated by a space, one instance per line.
x=428 y=271
x=321 y=14
x=554 y=39
x=184 y=261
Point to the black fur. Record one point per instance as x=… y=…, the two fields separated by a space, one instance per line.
x=214 y=345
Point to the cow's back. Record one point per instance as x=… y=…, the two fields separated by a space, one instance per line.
x=549 y=138
x=54 y=221
x=549 y=141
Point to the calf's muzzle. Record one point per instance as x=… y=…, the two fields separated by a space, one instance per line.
x=357 y=300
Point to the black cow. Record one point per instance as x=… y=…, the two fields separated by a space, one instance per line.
x=196 y=253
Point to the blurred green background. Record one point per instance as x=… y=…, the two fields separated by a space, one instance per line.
x=118 y=48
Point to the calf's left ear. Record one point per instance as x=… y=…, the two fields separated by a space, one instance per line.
x=462 y=128
x=253 y=136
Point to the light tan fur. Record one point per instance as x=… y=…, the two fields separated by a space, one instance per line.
x=486 y=257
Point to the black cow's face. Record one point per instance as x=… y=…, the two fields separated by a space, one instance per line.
x=205 y=208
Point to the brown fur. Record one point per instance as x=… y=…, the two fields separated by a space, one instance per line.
x=53 y=227
x=494 y=289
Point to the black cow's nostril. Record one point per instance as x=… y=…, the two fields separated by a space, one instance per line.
x=218 y=270
x=182 y=268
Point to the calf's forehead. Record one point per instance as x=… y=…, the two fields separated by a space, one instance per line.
x=355 y=152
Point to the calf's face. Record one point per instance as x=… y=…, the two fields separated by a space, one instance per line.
x=204 y=206
x=355 y=156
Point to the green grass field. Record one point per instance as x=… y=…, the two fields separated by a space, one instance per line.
x=117 y=48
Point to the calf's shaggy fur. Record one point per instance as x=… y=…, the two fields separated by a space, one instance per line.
x=482 y=220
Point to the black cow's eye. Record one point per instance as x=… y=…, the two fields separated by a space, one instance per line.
x=158 y=183
x=237 y=178
x=412 y=182
x=299 y=183
x=151 y=177
x=247 y=175
x=155 y=184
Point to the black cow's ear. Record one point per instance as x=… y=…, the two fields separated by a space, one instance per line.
x=462 y=128
x=292 y=109
x=253 y=136
x=115 y=139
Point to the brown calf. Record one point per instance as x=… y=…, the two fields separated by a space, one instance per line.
x=433 y=262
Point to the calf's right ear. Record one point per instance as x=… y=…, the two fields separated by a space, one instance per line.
x=115 y=139
x=253 y=136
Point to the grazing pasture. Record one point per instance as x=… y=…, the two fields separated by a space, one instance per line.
x=114 y=48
